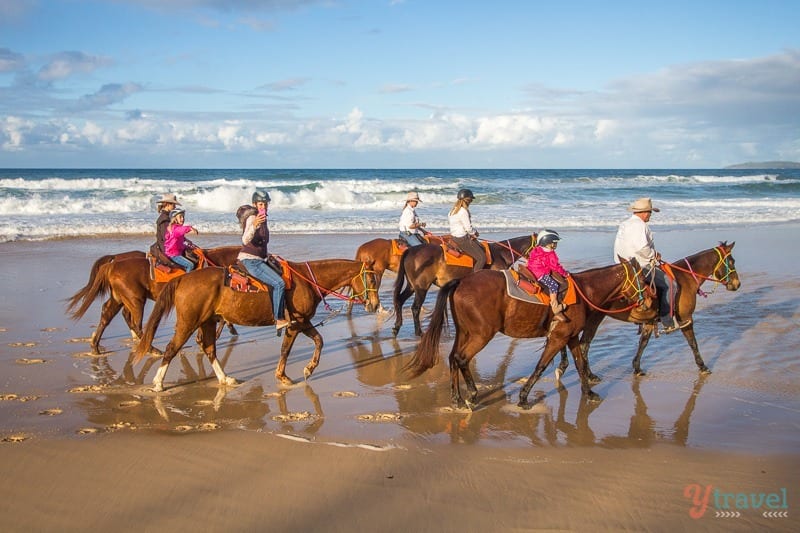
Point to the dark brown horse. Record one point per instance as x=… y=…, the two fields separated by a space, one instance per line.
x=425 y=265
x=715 y=264
x=481 y=308
x=200 y=298
x=125 y=278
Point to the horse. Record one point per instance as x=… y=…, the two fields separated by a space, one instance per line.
x=426 y=265
x=200 y=298
x=480 y=307
x=126 y=279
x=380 y=254
x=714 y=264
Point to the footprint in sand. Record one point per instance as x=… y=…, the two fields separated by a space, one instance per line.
x=8 y=397
x=87 y=388
x=292 y=417
x=78 y=340
x=51 y=412
x=129 y=403
x=345 y=394
x=380 y=417
x=203 y=403
x=272 y=395
x=22 y=344
x=183 y=428
x=87 y=431
x=34 y=361
x=53 y=329
x=208 y=426
x=401 y=387
x=120 y=425
x=17 y=437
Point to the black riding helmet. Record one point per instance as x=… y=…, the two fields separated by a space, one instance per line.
x=261 y=196
x=463 y=194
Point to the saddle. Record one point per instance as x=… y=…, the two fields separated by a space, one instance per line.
x=162 y=272
x=453 y=255
x=522 y=285
x=399 y=246
x=240 y=280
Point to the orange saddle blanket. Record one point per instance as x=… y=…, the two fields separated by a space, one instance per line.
x=453 y=256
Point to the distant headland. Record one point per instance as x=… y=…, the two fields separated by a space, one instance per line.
x=764 y=164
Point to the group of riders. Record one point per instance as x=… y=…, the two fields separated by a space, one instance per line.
x=634 y=240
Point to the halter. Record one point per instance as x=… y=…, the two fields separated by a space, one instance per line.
x=724 y=260
x=631 y=279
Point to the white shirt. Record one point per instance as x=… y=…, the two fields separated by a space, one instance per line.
x=635 y=240
x=461 y=223
x=247 y=236
x=409 y=218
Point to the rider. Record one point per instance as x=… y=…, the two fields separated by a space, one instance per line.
x=410 y=225
x=464 y=235
x=167 y=203
x=254 y=254
x=174 y=241
x=635 y=240
x=542 y=263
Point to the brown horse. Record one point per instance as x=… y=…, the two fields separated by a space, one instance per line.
x=425 y=265
x=200 y=298
x=476 y=324
x=125 y=278
x=715 y=264
x=379 y=255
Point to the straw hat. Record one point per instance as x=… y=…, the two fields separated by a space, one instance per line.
x=168 y=199
x=412 y=196
x=643 y=205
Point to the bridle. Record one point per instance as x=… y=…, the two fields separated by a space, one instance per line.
x=725 y=260
x=359 y=298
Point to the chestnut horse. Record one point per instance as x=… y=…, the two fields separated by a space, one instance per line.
x=481 y=308
x=425 y=265
x=715 y=264
x=200 y=298
x=125 y=278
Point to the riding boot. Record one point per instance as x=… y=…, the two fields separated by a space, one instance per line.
x=558 y=308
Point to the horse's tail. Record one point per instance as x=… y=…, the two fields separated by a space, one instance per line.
x=164 y=304
x=96 y=287
x=427 y=354
x=400 y=282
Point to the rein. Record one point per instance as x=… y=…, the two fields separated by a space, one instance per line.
x=507 y=244
x=319 y=288
x=628 y=281
x=699 y=278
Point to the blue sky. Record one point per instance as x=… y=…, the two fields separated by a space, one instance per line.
x=398 y=84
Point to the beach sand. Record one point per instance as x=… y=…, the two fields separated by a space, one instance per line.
x=86 y=444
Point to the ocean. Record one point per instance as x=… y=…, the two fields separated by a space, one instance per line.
x=37 y=204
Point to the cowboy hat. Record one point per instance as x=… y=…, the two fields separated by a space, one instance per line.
x=643 y=205
x=412 y=196
x=169 y=199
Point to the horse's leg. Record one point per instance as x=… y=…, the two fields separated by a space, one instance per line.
x=593 y=321
x=180 y=337
x=688 y=332
x=286 y=347
x=583 y=366
x=398 y=309
x=416 y=307
x=644 y=338
x=110 y=309
x=562 y=366
x=455 y=388
x=315 y=336
x=209 y=345
x=551 y=348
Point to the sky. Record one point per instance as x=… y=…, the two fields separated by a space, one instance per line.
x=398 y=83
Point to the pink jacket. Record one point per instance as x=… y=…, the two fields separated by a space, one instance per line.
x=174 y=243
x=544 y=260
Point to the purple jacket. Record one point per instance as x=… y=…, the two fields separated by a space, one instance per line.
x=543 y=261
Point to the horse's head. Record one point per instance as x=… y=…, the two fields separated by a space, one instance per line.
x=365 y=287
x=725 y=269
x=635 y=288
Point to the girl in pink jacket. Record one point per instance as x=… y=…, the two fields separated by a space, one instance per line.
x=174 y=241
x=542 y=262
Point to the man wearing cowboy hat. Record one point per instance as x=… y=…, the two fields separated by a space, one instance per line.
x=167 y=203
x=410 y=226
x=635 y=241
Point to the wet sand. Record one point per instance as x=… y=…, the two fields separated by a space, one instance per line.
x=358 y=446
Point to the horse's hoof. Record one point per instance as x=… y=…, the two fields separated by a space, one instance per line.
x=639 y=373
x=307 y=373
x=593 y=396
x=230 y=381
x=594 y=379
x=524 y=405
x=157 y=388
x=705 y=370
x=155 y=351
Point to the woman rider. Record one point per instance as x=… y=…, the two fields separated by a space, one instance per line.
x=464 y=235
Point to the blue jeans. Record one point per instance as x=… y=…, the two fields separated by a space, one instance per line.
x=259 y=269
x=411 y=238
x=663 y=291
x=187 y=265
